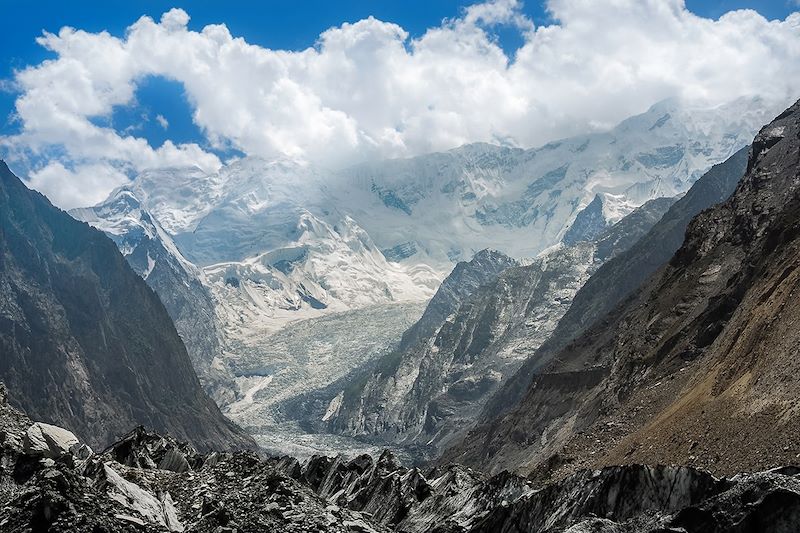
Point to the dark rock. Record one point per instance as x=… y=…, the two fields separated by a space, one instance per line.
x=86 y=343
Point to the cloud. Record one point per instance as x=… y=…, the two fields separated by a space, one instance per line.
x=368 y=90
x=79 y=187
x=163 y=122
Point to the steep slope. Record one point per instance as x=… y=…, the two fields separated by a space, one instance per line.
x=371 y=403
x=431 y=389
x=622 y=275
x=85 y=342
x=700 y=366
x=153 y=255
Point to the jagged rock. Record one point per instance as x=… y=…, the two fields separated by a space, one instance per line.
x=227 y=492
x=52 y=442
x=135 y=498
x=143 y=449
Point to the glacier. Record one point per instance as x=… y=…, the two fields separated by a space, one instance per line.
x=265 y=247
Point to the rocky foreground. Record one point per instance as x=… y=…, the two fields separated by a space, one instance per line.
x=49 y=481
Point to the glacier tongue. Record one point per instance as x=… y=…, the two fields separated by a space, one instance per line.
x=264 y=247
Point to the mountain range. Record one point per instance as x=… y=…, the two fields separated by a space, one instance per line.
x=622 y=359
x=240 y=255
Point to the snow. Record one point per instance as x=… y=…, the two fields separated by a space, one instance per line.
x=283 y=245
x=261 y=382
x=151 y=263
x=334 y=406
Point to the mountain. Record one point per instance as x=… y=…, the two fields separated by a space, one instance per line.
x=487 y=316
x=271 y=237
x=621 y=276
x=281 y=246
x=268 y=244
x=444 y=207
x=697 y=367
x=153 y=255
x=86 y=343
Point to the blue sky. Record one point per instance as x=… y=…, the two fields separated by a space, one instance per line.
x=173 y=90
x=272 y=24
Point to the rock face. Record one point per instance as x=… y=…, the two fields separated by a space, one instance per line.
x=86 y=343
x=149 y=482
x=622 y=275
x=704 y=351
x=463 y=281
x=154 y=256
x=588 y=224
x=484 y=321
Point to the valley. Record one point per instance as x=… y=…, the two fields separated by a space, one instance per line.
x=289 y=282
x=483 y=266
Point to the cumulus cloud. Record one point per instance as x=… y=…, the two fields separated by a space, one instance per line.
x=368 y=90
x=81 y=186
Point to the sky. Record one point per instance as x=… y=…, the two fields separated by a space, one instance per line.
x=95 y=92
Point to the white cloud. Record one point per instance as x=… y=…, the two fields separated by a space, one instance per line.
x=162 y=121
x=85 y=185
x=367 y=90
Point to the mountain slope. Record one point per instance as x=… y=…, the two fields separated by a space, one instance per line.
x=700 y=366
x=432 y=387
x=622 y=275
x=444 y=207
x=86 y=343
x=153 y=255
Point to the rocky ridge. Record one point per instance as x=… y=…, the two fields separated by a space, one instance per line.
x=473 y=335
x=704 y=350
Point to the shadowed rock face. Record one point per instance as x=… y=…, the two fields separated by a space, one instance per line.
x=85 y=343
x=699 y=367
x=152 y=254
x=588 y=225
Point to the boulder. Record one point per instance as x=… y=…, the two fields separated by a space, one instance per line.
x=52 y=442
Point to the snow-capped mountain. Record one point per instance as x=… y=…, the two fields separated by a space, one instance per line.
x=324 y=268
x=261 y=244
x=446 y=206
